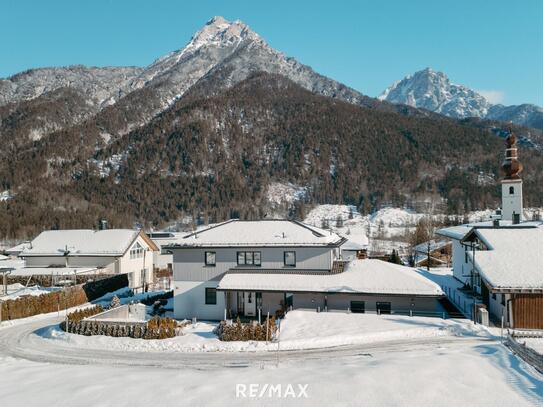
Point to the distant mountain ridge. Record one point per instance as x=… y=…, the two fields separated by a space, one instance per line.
x=434 y=91
x=210 y=130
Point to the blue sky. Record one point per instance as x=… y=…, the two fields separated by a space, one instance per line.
x=494 y=46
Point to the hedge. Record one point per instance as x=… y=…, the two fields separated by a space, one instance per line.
x=155 y=328
x=28 y=306
x=246 y=332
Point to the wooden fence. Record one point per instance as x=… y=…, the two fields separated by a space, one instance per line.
x=524 y=352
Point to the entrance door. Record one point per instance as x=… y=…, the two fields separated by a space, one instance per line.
x=358 y=307
x=249 y=304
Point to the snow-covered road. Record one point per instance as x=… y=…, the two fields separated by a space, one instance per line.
x=446 y=370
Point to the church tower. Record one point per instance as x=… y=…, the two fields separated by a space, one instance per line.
x=511 y=183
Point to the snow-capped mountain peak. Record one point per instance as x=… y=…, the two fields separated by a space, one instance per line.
x=432 y=90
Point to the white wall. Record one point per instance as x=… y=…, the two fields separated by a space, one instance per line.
x=461 y=268
x=189 y=301
x=511 y=203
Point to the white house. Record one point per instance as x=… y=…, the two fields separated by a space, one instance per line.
x=112 y=251
x=239 y=268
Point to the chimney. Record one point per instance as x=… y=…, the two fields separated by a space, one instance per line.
x=102 y=225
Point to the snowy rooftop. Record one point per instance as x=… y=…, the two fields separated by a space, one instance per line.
x=110 y=242
x=17 y=249
x=460 y=231
x=47 y=271
x=260 y=233
x=434 y=245
x=351 y=245
x=513 y=259
x=361 y=276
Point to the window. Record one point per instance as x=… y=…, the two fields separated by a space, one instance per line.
x=503 y=300
x=210 y=259
x=358 y=307
x=466 y=256
x=136 y=252
x=494 y=296
x=290 y=258
x=249 y=259
x=383 y=307
x=511 y=190
x=211 y=296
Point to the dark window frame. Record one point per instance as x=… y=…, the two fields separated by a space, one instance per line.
x=213 y=299
x=511 y=190
x=205 y=259
x=285 y=258
x=246 y=255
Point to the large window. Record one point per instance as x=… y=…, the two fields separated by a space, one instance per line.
x=210 y=258
x=136 y=252
x=211 y=296
x=383 y=307
x=290 y=258
x=249 y=259
x=358 y=307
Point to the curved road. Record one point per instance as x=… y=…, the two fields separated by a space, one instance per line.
x=21 y=341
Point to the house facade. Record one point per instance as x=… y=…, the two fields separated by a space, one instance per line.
x=246 y=268
x=111 y=251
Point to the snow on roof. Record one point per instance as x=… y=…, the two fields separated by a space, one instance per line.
x=2 y=257
x=350 y=245
x=260 y=233
x=513 y=258
x=361 y=276
x=18 y=249
x=109 y=242
x=454 y=232
x=47 y=271
x=434 y=245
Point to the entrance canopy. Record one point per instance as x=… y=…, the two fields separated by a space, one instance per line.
x=360 y=277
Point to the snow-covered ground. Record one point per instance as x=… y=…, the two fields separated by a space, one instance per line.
x=299 y=330
x=18 y=290
x=464 y=374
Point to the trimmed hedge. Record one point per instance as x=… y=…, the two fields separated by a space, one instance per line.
x=246 y=332
x=155 y=328
x=28 y=306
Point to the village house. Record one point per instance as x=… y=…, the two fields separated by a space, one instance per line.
x=500 y=259
x=243 y=268
x=109 y=251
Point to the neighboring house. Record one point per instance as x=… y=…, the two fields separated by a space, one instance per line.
x=351 y=250
x=501 y=259
x=112 y=251
x=239 y=268
x=439 y=253
x=163 y=258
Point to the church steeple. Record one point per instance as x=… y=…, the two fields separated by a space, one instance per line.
x=511 y=183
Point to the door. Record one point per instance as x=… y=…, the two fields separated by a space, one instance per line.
x=249 y=304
